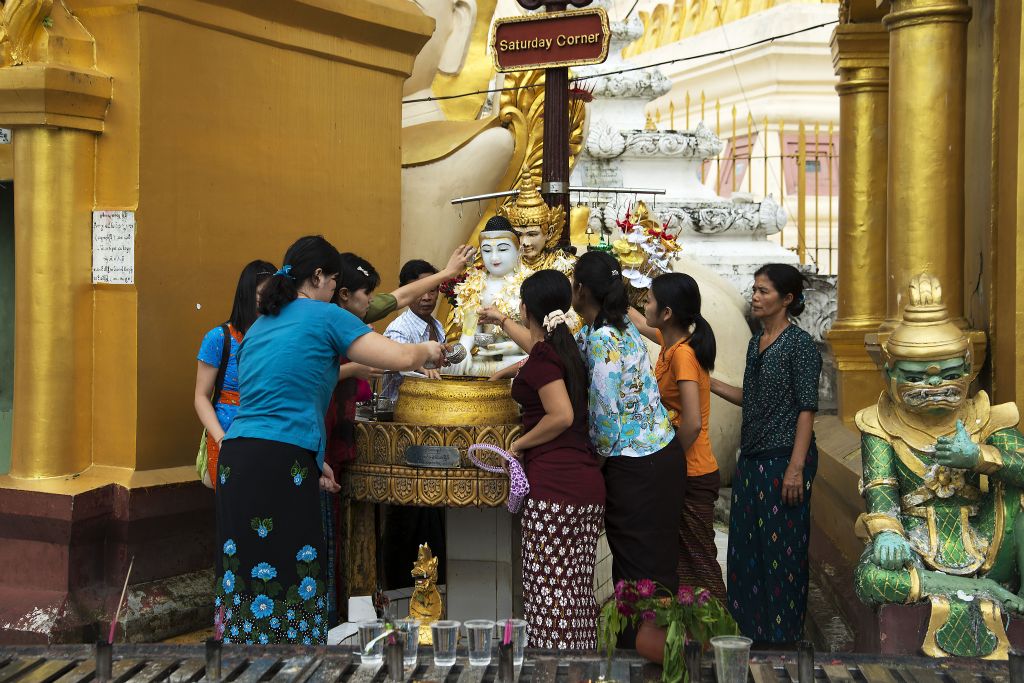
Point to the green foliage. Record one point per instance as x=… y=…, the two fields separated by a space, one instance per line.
x=690 y=614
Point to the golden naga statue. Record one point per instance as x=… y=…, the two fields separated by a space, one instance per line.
x=943 y=481
x=539 y=228
x=425 y=603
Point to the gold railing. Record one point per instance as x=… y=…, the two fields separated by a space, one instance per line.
x=768 y=155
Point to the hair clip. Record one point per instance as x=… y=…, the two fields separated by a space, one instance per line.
x=615 y=272
x=363 y=271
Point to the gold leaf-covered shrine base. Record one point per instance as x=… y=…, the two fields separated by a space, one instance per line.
x=379 y=474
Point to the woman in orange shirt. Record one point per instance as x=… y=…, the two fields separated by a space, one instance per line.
x=673 y=320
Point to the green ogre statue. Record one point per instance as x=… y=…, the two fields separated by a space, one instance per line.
x=943 y=481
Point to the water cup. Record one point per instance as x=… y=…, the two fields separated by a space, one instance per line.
x=519 y=638
x=411 y=628
x=368 y=630
x=479 y=632
x=446 y=637
x=732 y=658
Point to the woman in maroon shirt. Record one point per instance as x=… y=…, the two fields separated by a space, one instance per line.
x=564 y=513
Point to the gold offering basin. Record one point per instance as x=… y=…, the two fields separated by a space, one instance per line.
x=451 y=413
x=456 y=401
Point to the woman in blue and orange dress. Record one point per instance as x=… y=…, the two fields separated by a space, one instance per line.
x=217 y=417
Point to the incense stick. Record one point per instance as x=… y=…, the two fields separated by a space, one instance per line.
x=120 y=603
x=508 y=632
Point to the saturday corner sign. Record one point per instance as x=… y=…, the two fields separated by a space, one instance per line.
x=552 y=39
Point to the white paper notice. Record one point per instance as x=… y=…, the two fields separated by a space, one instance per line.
x=113 y=247
x=5 y=136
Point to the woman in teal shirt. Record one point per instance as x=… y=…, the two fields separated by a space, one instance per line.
x=270 y=583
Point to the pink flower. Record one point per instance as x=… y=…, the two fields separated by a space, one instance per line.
x=703 y=597
x=624 y=609
x=645 y=588
x=685 y=595
x=648 y=615
x=620 y=589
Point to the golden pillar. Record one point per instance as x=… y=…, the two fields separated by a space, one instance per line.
x=53 y=301
x=56 y=101
x=927 y=75
x=860 y=56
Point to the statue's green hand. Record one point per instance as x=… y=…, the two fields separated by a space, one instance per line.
x=957 y=451
x=891 y=551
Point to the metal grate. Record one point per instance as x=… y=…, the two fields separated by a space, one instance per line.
x=283 y=664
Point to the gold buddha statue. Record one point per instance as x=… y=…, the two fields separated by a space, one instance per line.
x=425 y=603
x=539 y=228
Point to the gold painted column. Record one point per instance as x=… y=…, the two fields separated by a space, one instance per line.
x=860 y=56
x=56 y=102
x=927 y=77
x=53 y=301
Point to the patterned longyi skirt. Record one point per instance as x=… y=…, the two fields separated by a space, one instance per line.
x=272 y=564
x=559 y=547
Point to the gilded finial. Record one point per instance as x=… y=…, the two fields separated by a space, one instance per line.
x=926 y=332
x=925 y=290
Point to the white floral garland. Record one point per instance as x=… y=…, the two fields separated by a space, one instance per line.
x=469 y=291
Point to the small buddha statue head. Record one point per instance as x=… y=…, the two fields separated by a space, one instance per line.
x=499 y=247
x=537 y=225
x=927 y=358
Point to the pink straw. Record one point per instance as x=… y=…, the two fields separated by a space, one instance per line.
x=508 y=632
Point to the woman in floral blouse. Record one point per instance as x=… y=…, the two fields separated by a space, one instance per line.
x=645 y=470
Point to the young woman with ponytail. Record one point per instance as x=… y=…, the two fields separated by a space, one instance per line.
x=270 y=585
x=645 y=467
x=564 y=513
x=672 y=318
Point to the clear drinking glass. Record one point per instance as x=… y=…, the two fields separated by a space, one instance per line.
x=479 y=632
x=411 y=628
x=732 y=658
x=519 y=638
x=368 y=630
x=446 y=637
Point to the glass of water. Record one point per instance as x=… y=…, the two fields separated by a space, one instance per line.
x=368 y=630
x=446 y=637
x=519 y=634
x=479 y=632
x=519 y=637
x=411 y=628
x=732 y=658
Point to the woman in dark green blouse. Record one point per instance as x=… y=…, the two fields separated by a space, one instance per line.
x=769 y=520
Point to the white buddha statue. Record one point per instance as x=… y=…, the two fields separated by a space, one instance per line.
x=444 y=159
x=495 y=284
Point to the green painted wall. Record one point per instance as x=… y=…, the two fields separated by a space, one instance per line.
x=6 y=321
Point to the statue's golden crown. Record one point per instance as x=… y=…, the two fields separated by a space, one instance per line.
x=926 y=332
x=529 y=208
